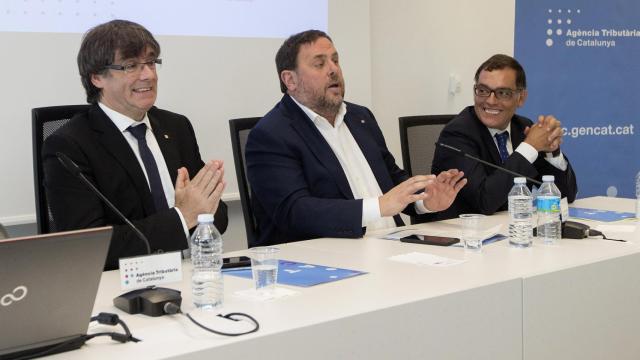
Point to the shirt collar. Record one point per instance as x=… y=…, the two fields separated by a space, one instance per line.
x=318 y=119
x=493 y=132
x=122 y=122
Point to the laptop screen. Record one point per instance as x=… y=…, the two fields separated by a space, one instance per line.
x=48 y=285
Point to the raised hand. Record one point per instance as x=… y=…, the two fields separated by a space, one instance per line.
x=200 y=195
x=441 y=193
x=545 y=135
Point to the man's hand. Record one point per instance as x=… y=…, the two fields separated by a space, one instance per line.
x=396 y=199
x=437 y=192
x=441 y=193
x=546 y=135
x=200 y=195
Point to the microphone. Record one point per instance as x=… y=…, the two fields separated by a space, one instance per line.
x=570 y=229
x=150 y=300
x=74 y=169
x=464 y=154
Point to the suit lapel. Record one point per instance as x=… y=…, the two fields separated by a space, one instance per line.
x=167 y=141
x=370 y=150
x=517 y=132
x=317 y=145
x=114 y=142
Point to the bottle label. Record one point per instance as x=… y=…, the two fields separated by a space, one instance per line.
x=550 y=204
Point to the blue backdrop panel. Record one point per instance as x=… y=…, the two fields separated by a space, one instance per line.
x=582 y=60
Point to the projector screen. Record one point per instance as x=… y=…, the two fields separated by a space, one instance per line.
x=210 y=79
x=229 y=18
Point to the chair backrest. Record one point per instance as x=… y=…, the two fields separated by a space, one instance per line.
x=240 y=129
x=418 y=135
x=44 y=122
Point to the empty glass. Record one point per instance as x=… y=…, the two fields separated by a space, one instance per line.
x=472 y=234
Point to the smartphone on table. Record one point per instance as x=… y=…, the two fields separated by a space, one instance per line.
x=430 y=240
x=235 y=261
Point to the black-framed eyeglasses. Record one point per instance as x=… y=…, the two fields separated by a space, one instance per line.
x=500 y=93
x=134 y=67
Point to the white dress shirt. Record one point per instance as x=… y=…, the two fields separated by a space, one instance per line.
x=361 y=180
x=122 y=122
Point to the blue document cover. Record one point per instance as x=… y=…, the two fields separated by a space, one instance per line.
x=300 y=274
x=599 y=215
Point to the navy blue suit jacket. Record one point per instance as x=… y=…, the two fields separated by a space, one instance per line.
x=299 y=188
x=487 y=188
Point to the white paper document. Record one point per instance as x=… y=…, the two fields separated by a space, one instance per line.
x=418 y=258
x=399 y=234
x=261 y=295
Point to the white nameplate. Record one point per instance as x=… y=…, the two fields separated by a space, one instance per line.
x=142 y=271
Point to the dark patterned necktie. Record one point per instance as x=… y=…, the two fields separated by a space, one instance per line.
x=502 y=145
x=159 y=199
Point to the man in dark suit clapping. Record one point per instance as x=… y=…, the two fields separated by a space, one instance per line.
x=319 y=166
x=143 y=159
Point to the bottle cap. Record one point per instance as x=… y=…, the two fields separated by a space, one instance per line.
x=519 y=180
x=548 y=178
x=205 y=218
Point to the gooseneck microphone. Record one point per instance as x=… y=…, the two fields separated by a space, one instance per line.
x=464 y=154
x=570 y=229
x=74 y=169
x=148 y=301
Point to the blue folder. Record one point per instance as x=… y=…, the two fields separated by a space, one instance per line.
x=599 y=215
x=300 y=274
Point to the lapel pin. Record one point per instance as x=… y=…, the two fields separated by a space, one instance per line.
x=166 y=136
x=362 y=121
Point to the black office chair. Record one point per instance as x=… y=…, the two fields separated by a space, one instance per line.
x=45 y=121
x=418 y=135
x=240 y=129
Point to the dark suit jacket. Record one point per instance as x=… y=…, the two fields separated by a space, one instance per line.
x=299 y=188
x=487 y=188
x=104 y=156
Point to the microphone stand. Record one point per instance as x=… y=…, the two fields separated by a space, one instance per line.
x=149 y=301
x=570 y=229
x=464 y=154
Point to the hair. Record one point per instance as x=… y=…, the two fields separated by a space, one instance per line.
x=499 y=62
x=100 y=45
x=287 y=56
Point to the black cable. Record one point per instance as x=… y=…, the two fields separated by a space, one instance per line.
x=593 y=232
x=73 y=343
x=76 y=342
x=171 y=308
x=113 y=319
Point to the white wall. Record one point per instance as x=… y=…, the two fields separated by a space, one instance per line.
x=210 y=80
x=396 y=57
x=416 y=44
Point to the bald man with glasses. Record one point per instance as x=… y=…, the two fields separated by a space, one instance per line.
x=143 y=159
x=492 y=131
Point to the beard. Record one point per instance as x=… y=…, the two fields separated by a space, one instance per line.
x=322 y=101
x=328 y=105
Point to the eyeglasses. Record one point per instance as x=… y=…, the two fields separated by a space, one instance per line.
x=500 y=93
x=131 y=68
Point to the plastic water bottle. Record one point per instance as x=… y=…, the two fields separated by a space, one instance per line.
x=638 y=195
x=520 y=214
x=206 y=257
x=548 y=204
x=534 y=206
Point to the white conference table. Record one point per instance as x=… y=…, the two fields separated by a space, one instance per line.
x=573 y=300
